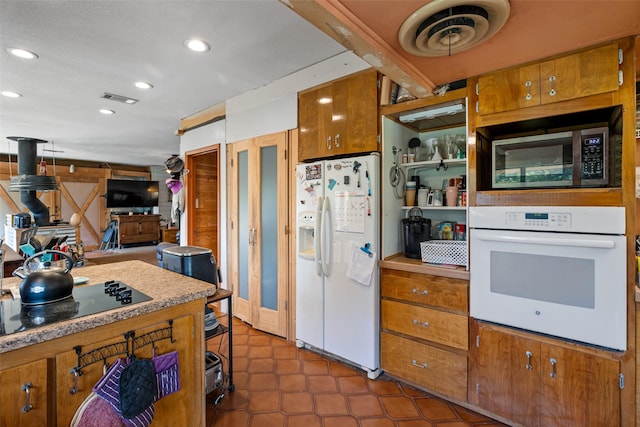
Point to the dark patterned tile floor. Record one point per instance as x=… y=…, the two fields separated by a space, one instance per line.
x=279 y=385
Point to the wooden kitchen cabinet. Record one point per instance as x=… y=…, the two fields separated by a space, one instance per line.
x=53 y=402
x=18 y=410
x=170 y=410
x=138 y=229
x=573 y=76
x=340 y=117
x=424 y=337
x=537 y=382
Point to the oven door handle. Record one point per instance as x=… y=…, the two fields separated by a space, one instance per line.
x=553 y=241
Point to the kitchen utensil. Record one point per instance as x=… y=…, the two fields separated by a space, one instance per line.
x=431 y=144
x=44 y=281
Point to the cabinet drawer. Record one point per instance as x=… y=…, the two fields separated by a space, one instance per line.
x=426 y=289
x=436 y=369
x=421 y=322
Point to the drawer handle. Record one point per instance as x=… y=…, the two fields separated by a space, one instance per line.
x=419 y=323
x=528 y=86
x=419 y=365
x=528 y=365
x=417 y=292
x=27 y=404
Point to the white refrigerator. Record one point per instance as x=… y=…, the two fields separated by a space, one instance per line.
x=337 y=241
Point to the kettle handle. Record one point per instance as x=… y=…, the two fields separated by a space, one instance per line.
x=68 y=265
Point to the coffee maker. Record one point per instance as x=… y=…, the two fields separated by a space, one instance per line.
x=415 y=229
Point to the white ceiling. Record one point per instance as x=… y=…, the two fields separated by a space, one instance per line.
x=90 y=47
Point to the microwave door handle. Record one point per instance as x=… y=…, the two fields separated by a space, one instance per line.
x=552 y=241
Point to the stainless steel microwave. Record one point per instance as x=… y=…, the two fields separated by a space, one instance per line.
x=577 y=158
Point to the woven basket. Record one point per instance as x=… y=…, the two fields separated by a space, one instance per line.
x=452 y=252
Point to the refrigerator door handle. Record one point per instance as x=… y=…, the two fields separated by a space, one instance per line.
x=326 y=231
x=317 y=238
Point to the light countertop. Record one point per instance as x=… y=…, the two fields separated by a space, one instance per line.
x=165 y=287
x=401 y=262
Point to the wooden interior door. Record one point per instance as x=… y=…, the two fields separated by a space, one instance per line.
x=203 y=186
x=258 y=238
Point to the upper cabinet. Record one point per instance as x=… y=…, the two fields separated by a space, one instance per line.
x=573 y=76
x=340 y=117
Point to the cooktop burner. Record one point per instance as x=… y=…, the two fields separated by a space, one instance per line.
x=91 y=299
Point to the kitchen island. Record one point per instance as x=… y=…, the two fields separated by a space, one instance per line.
x=49 y=370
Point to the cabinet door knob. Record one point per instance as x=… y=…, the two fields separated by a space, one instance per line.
x=27 y=404
x=552 y=80
x=76 y=375
x=554 y=362
x=527 y=84
x=528 y=365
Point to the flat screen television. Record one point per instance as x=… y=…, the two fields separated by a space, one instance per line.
x=126 y=193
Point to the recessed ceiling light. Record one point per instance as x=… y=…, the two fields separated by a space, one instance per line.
x=22 y=53
x=107 y=112
x=10 y=94
x=143 y=85
x=197 y=45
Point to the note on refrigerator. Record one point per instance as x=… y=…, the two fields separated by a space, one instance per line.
x=361 y=265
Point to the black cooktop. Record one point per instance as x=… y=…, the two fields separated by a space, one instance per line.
x=90 y=299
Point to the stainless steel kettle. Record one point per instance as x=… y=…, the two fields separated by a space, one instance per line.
x=47 y=282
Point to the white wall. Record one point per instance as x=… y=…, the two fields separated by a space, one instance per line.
x=207 y=136
x=274 y=107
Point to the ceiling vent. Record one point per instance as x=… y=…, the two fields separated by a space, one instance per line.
x=446 y=27
x=119 y=98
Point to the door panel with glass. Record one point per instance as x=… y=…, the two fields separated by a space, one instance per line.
x=258 y=237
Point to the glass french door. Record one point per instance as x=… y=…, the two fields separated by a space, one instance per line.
x=258 y=238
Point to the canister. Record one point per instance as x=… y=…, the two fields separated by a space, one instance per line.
x=410 y=193
x=423 y=196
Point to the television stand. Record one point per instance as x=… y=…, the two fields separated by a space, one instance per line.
x=136 y=229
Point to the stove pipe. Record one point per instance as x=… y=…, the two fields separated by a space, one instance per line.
x=28 y=182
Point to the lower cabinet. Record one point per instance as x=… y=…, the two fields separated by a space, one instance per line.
x=424 y=337
x=138 y=229
x=537 y=382
x=23 y=393
x=56 y=393
x=442 y=371
x=176 y=406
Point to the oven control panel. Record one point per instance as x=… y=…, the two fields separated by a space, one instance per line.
x=565 y=219
x=551 y=221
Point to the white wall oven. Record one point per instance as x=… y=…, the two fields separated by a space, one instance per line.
x=556 y=270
